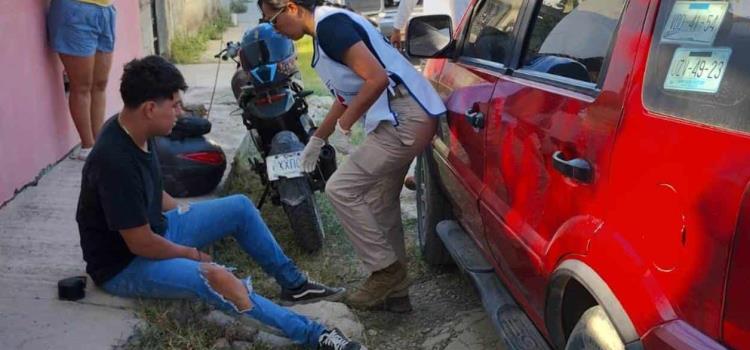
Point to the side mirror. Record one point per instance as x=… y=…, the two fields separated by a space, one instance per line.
x=430 y=36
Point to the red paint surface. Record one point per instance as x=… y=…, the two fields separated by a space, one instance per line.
x=659 y=222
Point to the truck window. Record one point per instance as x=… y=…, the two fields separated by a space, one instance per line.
x=571 y=38
x=699 y=63
x=490 y=35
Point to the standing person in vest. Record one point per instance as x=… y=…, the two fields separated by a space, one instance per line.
x=453 y=8
x=371 y=80
x=82 y=32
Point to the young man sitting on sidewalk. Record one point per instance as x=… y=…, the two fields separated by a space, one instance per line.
x=138 y=243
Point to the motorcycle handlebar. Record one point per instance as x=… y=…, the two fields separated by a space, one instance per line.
x=231 y=51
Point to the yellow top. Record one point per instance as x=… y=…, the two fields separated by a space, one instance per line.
x=98 y=2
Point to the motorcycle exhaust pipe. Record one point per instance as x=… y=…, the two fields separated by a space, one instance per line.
x=327 y=161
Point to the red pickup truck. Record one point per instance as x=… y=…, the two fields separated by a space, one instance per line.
x=591 y=174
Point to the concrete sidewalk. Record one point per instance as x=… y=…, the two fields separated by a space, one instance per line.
x=39 y=244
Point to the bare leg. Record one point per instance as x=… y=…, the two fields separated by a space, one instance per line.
x=102 y=65
x=80 y=73
x=226 y=284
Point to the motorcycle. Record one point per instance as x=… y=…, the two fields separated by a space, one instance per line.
x=191 y=164
x=269 y=91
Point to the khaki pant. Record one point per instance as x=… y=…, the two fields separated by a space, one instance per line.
x=365 y=190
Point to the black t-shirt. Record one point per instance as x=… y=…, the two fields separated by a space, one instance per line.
x=121 y=188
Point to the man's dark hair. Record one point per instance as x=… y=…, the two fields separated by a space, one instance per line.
x=151 y=78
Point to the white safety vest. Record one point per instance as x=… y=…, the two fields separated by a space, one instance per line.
x=345 y=83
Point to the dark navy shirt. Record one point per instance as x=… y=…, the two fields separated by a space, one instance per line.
x=337 y=33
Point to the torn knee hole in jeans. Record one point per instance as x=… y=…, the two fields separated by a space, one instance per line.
x=247 y=282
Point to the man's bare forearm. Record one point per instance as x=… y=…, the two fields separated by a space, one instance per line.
x=167 y=202
x=158 y=248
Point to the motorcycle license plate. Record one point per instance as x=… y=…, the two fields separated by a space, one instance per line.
x=283 y=166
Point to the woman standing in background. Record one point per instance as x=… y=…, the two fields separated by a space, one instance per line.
x=82 y=32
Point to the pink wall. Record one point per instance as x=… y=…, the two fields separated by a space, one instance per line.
x=35 y=126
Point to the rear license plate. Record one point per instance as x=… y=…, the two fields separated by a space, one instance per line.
x=283 y=166
x=694 y=22
x=697 y=70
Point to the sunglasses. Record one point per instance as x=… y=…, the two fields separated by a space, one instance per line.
x=273 y=18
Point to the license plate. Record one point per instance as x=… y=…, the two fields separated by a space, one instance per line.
x=694 y=22
x=283 y=166
x=697 y=70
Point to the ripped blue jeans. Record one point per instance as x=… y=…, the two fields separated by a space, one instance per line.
x=200 y=225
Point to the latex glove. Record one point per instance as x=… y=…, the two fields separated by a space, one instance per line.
x=341 y=140
x=311 y=153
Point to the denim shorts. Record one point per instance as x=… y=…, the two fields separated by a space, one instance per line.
x=81 y=29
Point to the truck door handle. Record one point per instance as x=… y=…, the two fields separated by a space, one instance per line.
x=576 y=168
x=474 y=117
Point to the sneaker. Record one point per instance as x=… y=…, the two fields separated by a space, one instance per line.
x=311 y=292
x=80 y=154
x=380 y=285
x=333 y=339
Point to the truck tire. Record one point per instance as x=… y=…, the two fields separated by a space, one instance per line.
x=432 y=207
x=594 y=331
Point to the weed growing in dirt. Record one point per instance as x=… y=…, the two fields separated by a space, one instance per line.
x=173 y=325
x=187 y=48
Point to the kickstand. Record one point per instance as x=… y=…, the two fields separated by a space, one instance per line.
x=263 y=197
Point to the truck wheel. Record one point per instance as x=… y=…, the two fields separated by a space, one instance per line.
x=594 y=331
x=432 y=207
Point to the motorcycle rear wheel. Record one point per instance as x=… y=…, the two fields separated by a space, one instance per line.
x=306 y=224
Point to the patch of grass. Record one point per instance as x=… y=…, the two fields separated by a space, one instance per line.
x=216 y=27
x=304 y=59
x=325 y=266
x=187 y=48
x=173 y=325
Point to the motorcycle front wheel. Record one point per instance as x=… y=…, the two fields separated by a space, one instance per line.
x=305 y=219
